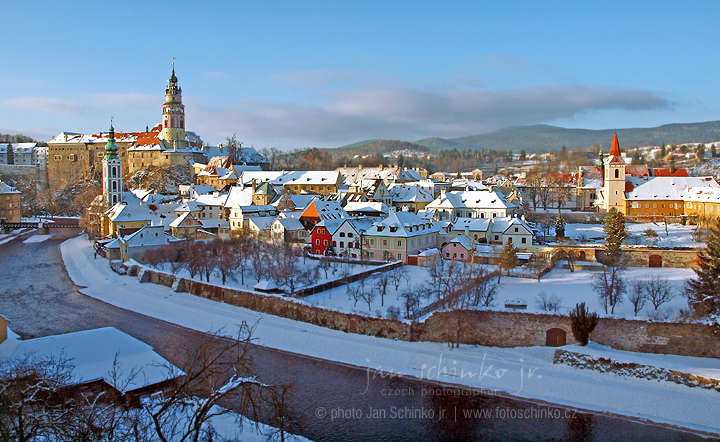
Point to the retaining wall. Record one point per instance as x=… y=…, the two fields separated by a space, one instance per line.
x=474 y=327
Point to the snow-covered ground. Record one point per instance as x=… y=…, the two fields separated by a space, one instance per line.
x=525 y=372
x=677 y=235
x=336 y=270
x=575 y=287
x=7 y=237
x=37 y=238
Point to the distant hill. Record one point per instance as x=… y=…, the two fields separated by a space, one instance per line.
x=374 y=147
x=541 y=137
x=19 y=138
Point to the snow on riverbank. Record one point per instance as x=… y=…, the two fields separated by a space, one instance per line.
x=525 y=372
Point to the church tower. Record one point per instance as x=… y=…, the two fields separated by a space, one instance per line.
x=614 y=183
x=112 y=181
x=173 y=131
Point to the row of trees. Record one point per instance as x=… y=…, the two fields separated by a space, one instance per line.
x=236 y=258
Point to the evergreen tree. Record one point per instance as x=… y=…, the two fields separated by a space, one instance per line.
x=614 y=228
x=10 y=154
x=583 y=322
x=559 y=227
x=508 y=258
x=703 y=292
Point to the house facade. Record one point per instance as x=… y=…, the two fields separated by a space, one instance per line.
x=398 y=236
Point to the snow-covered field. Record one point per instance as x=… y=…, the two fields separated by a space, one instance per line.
x=336 y=270
x=677 y=235
x=575 y=287
x=525 y=372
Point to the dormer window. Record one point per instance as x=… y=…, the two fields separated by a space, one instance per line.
x=393 y=228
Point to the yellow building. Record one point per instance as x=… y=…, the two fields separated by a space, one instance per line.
x=658 y=197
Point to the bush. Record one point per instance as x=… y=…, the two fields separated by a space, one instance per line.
x=583 y=323
x=393 y=312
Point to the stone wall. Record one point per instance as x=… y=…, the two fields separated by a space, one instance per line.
x=473 y=327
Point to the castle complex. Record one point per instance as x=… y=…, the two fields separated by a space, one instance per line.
x=74 y=156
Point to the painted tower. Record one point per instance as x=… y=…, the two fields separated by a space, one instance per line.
x=614 y=179
x=112 y=180
x=173 y=131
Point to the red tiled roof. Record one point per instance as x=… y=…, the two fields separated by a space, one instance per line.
x=666 y=172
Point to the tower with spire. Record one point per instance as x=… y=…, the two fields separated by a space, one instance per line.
x=614 y=179
x=112 y=172
x=173 y=119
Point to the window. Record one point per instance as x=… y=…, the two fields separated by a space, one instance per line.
x=462 y=255
x=342 y=244
x=335 y=244
x=325 y=242
x=617 y=173
x=317 y=242
x=447 y=255
x=350 y=235
x=399 y=256
x=399 y=243
x=384 y=242
x=454 y=255
x=523 y=240
x=497 y=237
x=342 y=234
x=516 y=230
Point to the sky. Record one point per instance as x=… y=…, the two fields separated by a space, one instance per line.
x=325 y=74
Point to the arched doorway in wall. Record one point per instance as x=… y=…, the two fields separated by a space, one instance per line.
x=655 y=261
x=555 y=337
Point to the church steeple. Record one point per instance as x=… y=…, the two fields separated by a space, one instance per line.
x=111 y=148
x=111 y=167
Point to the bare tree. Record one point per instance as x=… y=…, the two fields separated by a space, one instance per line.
x=286 y=269
x=548 y=302
x=610 y=287
x=354 y=292
x=537 y=264
x=483 y=289
x=637 y=295
x=658 y=291
x=411 y=299
x=380 y=285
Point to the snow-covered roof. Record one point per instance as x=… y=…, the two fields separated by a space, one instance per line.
x=261 y=222
x=702 y=194
x=472 y=224
x=366 y=206
x=501 y=225
x=332 y=225
x=472 y=199
x=93 y=353
x=239 y=196
x=6 y=188
x=291 y=224
x=665 y=188
x=464 y=241
x=191 y=222
x=429 y=252
x=281 y=178
x=402 y=224
x=404 y=193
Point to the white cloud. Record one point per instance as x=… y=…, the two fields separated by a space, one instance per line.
x=44 y=104
x=410 y=114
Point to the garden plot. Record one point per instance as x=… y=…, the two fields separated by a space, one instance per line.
x=575 y=287
x=677 y=235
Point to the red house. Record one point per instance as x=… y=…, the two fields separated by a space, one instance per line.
x=321 y=235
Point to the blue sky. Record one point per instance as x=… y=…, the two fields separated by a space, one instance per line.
x=325 y=74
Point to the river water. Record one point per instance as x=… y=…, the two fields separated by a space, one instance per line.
x=333 y=402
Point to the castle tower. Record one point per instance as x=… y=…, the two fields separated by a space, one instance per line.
x=614 y=179
x=173 y=131
x=112 y=180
